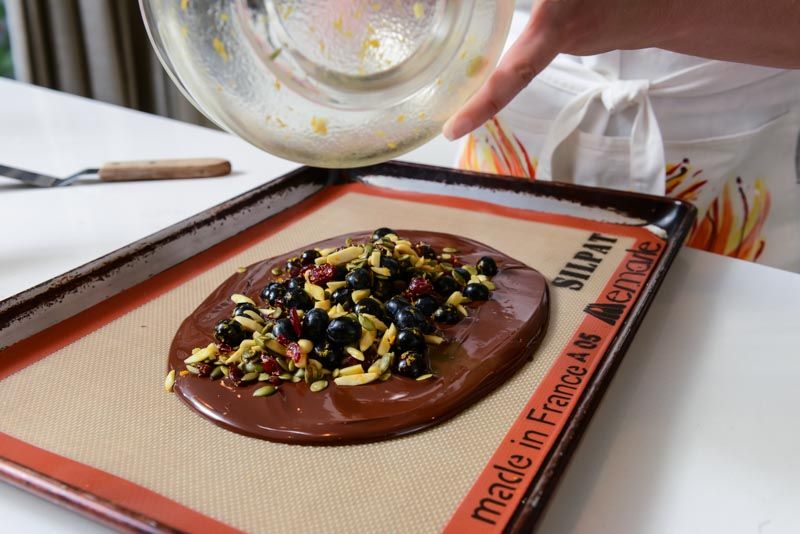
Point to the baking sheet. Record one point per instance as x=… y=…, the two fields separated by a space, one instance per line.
x=98 y=401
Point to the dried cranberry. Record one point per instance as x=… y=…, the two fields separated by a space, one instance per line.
x=204 y=369
x=306 y=268
x=270 y=365
x=285 y=341
x=419 y=286
x=274 y=380
x=297 y=323
x=235 y=375
x=224 y=348
x=321 y=274
x=293 y=351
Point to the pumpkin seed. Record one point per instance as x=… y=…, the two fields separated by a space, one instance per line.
x=249 y=376
x=241 y=269
x=449 y=250
x=319 y=385
x=216 y=373
x=285 y=376
x=424 y=377
x=169 y=381
x=265 y=391
x=489 y=285
x=336 y=372
x=386 y=376
x=276 y=271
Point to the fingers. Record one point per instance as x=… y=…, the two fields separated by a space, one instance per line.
x=531 y=53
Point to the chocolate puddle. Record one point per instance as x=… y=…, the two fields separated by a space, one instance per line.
x=484 y=350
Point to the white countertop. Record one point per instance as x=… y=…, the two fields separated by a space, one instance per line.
x=697 y=433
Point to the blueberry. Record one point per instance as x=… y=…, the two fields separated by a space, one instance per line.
x=487 y=266
x=446 y=314
x=297 y=298
x=273 y=293
x=293 y=267
x=380 y=232
x=308 y=256
x=426 y=304
x=424 y=250
x=392 y=264
x=395 y=304
x=360 y=278
x=412 y=364
x=410 y=339
x=229 y=332
x=241 y=308
x=295 y=283
x=383 y=289
x=445 y=285
x=343 y=296
x=315 y=322
x=476 y=291
x=328 y=355
x=283 y=327
x=411 y=317
x=371 y=306
x=344 y=331
x=339 y=273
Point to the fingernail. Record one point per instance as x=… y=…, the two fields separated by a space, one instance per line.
x=456 y=127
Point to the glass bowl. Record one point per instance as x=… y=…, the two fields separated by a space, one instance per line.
x=330 y=83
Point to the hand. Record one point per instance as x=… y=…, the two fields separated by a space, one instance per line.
x=735 y=30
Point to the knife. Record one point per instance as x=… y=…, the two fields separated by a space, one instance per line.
x=118 y=171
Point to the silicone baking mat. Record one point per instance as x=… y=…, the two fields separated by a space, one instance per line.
x=84 y=401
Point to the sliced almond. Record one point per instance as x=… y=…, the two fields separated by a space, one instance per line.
x=352 y=370
x=382 y=365
x=356 y=380
x=343 y=256
x=382 y=271
x=434 y=340
x=367 y=339
x=375 y=258
x=314 y=291
x=355 y=353
x=323 y=305
x=169 y=381
x=239 y=299
x=462 y=310
x=387 y=340
x=254 y=316
x=306 y=345
x=333 y=286
x=248 y=323
x=380 y=325
x=359 y=294
x=203 y=354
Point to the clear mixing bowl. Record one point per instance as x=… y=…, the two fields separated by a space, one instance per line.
x=331 y=83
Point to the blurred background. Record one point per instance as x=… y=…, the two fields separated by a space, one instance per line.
x=93 y=48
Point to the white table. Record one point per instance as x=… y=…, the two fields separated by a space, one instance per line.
x=697 y=433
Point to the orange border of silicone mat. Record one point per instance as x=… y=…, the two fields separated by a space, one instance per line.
x=140 y=499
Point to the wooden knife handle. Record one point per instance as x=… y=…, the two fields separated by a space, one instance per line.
x=163 y=169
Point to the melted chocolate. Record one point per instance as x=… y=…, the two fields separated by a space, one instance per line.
x=482 y=352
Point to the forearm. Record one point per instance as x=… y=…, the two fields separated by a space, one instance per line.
x=762 y=32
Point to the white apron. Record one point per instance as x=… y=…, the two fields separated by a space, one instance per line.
x=721 y=135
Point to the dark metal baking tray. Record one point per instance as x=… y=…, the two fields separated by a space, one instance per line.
x=38 y=308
